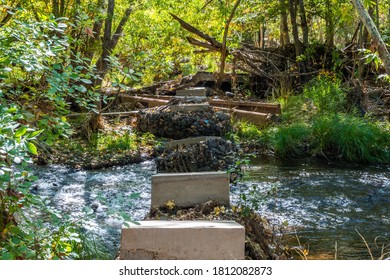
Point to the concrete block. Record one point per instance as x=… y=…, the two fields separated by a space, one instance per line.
x=183 y=240
x=188 y=141
x=190 y=107
x=190 y=189
x=196 y=91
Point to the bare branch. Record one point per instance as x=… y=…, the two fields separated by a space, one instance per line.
x=197 y=32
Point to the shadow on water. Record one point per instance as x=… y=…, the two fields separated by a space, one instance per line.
x=321 y=203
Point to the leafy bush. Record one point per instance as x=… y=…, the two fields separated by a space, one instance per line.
x=29 y=229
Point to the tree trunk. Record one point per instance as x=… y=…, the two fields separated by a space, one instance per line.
x=294 y=25
x=262 y=36
x=284 y=36
x=109 y=43
x=305 y=28
x=329 y=24
x=377 y=22
x=224 y=49
x=110 y=40
x=96 y=31
x=375 y=35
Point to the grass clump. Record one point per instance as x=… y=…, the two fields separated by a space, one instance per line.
x=350 y=138
x=289 y=141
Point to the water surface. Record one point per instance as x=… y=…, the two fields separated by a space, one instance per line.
x=320 y=204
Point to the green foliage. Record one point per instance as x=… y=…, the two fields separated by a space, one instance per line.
x=316 y=123
x=289 y=141
x=326 y=94
x=24 y=234
x=246 y=131
x=39 y=74
x=371 y=58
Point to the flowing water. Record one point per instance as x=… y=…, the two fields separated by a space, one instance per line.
x=319 y=204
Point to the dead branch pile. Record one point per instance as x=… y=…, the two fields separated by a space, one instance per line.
x=272 y=63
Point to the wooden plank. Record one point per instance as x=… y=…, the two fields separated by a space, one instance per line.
x=270 y=108
x=152 y=102
x=259 y=119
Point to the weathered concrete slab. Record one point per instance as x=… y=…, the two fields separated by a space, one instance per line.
x=196 y=91
x=189 y=141
x=183 y=240
x=190 y=189
x=190 y=107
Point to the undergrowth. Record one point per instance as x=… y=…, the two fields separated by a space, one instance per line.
x=318 y=123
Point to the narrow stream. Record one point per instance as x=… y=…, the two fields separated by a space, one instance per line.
x=324 y=204
x=321 y=204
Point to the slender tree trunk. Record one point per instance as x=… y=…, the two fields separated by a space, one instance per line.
x=284 y=36
x=110 y=40
x=304 y=26
x=294 y=25
x=329 y=37
x=224 y=48
x=262 y=35
x=96 y=31
x=56 y=8
x=375 y=35
x=377 y=22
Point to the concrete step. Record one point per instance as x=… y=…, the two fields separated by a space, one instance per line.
x=183 y=240
x=190 y=189
x=194 y=92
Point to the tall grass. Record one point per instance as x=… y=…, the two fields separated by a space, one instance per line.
x=289 y=141
x=350 y=138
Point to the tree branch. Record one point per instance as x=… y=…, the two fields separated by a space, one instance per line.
x=197 y=32
x=198 y=43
